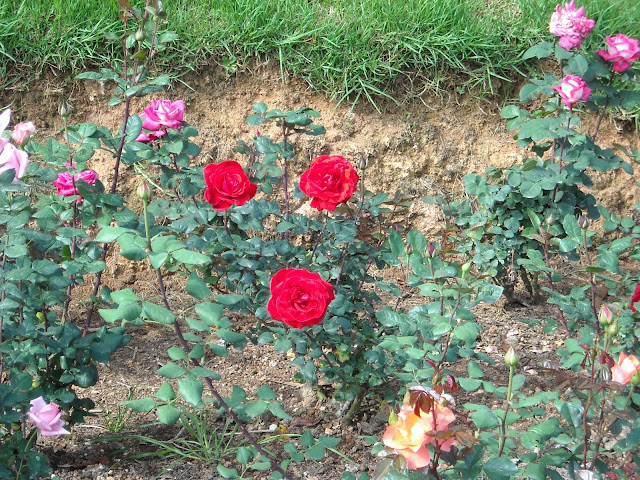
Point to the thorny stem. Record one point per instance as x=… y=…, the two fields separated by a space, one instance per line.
x=185 y=346
x=74 y=240
x=123 y=128
x=447 y=341
x=585 y=427
x=503 y=423
x=564 y=141
x=591 y=280
x=563 y=320
x=600 y=117
x=285 y=179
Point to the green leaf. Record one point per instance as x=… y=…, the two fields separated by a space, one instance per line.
x=474 y=370
x=266 y=393
x=316 y=452
x=165 y=393
x=190 y=388
x=500 y=468
x=171 y=370
x=176 y=353
x=256 y=409
x=541 y=50
x=196 y=287
x=484 y=418
x=190 y=257
x=109 y=234
x=159 y=314
x=396 y=243
x=230 y=298
x=227 y=472
x=210 y=313
x=168 y=414
x=142 y=405
x=278 y=411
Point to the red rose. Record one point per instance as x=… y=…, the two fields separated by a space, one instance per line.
x=635 y=298
x=227 y=185
x=299 y=297
x=330 y=180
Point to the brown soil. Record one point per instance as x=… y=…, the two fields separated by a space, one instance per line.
x=422 y=146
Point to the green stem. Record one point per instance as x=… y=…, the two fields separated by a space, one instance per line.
x=503 y=423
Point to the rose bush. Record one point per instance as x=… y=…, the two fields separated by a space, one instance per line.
x=299 y=298
x=572 y=89
x=622 y=51
x=47 y=418
x=227 y=185
x=329 y=181
x=571 y=25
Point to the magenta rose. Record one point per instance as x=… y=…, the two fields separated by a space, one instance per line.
x=22 y=131
x=227 y=185
x=329 y=181
x=47 y=418
x=572 y=90
x=299 y=298
x=622 y=51
x=159 y=116
x=66 y=184
x=571 y=25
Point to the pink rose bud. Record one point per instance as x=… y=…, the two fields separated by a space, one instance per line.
x=622 y=51
x=144 y=192
x=571 y=25
x=572 y=90
x=22 y=131
x=510 y=358
x=605 y=317
x=431 y=250
x=46 y=417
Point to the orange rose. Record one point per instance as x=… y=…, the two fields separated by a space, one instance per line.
x=409 y=435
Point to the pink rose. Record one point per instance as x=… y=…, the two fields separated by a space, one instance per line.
x=5 y=117
x=46 y=417
x=65 y=184
x=11 y=157
x=571 y=25
x=159 y=116
x=622 y=51
x=625 y=368
x=572 y=90
x=22 y=131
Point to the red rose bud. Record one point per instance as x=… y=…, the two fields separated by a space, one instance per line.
x=227 y=185
x=605 y=317
x=299 y=298
x=144 y=192
x=583 y=222
x=431 y=250
x=510 y=358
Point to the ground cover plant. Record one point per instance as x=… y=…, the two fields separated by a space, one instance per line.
x=315 y=283
x=350 y=49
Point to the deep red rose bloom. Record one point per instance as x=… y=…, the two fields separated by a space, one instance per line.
x=227 y=185
x=330 y=181
x=635 y=298
x=299 y=297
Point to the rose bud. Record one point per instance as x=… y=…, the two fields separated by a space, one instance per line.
x=144 y=192
x=510 y=358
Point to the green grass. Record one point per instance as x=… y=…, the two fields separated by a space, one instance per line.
x=348 y=48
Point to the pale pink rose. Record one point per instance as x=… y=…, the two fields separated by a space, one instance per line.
x=572 y=90
x=159 y=116
x=622 y=51
x=11 y=157
x=571 y=25
x=625 y=368
x=47 y=418
x=22 y=131
x=65 y=183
